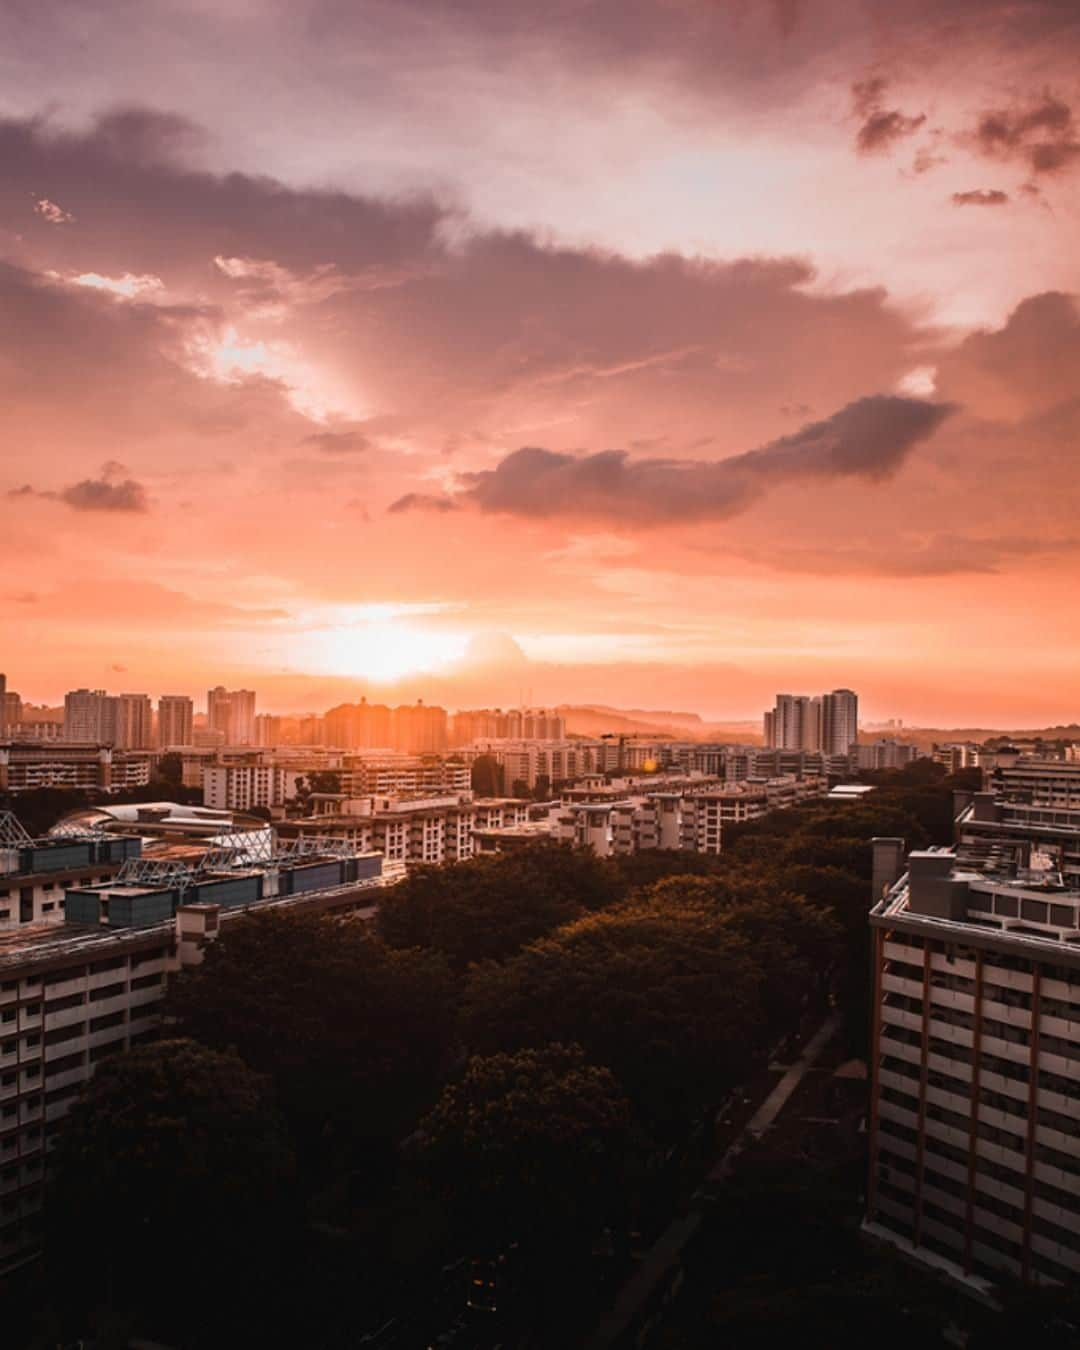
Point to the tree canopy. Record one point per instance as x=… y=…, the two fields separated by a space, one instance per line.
x=527 y=1143
x=176 y=1160
x=352 y=1034
x=490 y=906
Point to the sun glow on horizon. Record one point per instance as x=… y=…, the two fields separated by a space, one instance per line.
x=383 y=650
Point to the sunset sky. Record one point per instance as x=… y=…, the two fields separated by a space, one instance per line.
x=660 y=353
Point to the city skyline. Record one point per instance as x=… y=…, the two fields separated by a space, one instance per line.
x=750 y=369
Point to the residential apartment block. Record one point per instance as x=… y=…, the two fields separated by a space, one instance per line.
x=74 y=992
x=25 y=765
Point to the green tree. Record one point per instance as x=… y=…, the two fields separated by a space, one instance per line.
x=671 y=1001
x=527 y=1146
x=177 y=1155
x=488 y=776
x=170 y=768
x=352 y=1035
x=491 y=905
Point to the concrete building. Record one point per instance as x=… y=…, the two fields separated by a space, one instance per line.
x=883 y=754
x=420 y=729
x=794 y=723
x=35 y=872
x=25 y=765
x=689 y=816
x=121 y=720
x=267 y=730
x=975 y=1106
x=133 y=722
x=75 y=992
x=839 y=721
x=829 y=723
x=176 y=720
x=957 y=755
x=10 y=713
x=409 y=828
x=514 y=724
x=88 y=716
x=1027 y=817
x=232 y=713
x=399 y=774
x=239 y=787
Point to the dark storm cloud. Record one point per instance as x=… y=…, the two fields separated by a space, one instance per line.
x=868 y=439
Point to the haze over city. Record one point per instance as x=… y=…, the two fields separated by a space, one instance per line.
x=663 y=355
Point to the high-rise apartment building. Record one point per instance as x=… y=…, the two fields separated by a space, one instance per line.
x=839 y=721
x=420 y=729
x=88 y=716
x=232 y=712
x=794 y=724
x=176 y=720
x=132 y=722
x=975 y=1100
x=267 y=730
x=829 y=723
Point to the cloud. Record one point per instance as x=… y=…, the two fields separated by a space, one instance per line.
x=940 y=555
x=101 y=494
x=421 y=501
x=50 y=211
x=135 y=134
x=338 y=442
x=868 y=439
x=1044 y=135
x=1022 y=370
x=110 y=492
x=980 y=197
x=881 y=127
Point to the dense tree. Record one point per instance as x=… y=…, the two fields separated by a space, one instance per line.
x=39 y=809
x=320 y=780
x=491 y=905
x=671 y=1000
x=352 y=1034
x=177 y=1163
x=487 y=776
x=527 y=1146
x=170 y=768
x=1046 y=1317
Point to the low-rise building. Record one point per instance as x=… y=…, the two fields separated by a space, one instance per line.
x=25 y=765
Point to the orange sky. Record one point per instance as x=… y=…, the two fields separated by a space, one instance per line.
x=701 y=348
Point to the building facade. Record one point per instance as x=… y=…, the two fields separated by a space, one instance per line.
x=975 y=1106
x=25 y=765
x=176 y=720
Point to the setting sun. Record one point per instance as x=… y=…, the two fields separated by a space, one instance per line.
x=383 y=650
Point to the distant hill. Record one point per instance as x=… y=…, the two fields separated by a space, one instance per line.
x=598 y=720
